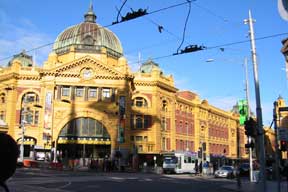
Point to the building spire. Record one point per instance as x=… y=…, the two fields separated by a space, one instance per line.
x=90 y=15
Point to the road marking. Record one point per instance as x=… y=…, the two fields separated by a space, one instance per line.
x=66 y=185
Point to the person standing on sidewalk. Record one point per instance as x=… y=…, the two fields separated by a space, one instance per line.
x=9 y=153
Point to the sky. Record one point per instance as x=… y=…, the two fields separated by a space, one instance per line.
x=30 y=24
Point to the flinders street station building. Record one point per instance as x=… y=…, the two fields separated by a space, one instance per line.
x=86 y=103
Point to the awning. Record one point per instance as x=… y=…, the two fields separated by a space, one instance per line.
x=91 y=141
x=27 y=140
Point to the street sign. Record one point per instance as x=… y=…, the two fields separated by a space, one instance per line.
x=283 y=134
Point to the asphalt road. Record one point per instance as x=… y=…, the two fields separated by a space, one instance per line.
x=57 y=181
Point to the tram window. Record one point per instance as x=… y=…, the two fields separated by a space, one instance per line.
x=187 y=159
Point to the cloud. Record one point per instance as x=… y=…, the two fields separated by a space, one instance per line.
x=23 y=36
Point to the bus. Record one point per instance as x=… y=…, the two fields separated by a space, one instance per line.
x=180 y=162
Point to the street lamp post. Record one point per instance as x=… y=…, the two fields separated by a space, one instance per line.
x=260 y=135
x=22 y=141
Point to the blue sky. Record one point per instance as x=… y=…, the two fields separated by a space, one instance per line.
x=33 y=23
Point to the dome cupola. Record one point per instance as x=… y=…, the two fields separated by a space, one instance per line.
x=88 y=37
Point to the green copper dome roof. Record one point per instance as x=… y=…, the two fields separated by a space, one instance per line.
x=149 y=66
x=89 y=37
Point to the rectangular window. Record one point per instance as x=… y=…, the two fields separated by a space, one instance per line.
x=139 y=123
x=163 y=144
x=132 y=138
x=163 y=123
x=2 y=115
x=92 y=93
x=132 y=124
x=139 y=103
x=147 y=121
x=106 y=93
x=29 y=117
x=79 y=92
x=140 y=148
x=30 y=97
x=36 y=121
x=65 y=91
x=145 y=138
x=150 y=148
x=139 y=138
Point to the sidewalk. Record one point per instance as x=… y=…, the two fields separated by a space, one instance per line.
x=247 y=186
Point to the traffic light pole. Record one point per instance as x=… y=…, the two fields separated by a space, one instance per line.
x=277 y=156
x=260 y=135
x=248 y=116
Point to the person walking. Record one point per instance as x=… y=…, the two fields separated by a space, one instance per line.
x=238 y=176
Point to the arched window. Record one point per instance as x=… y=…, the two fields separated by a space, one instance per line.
x=29 y=114
x=139 y=122
x=164 y=105
x=84 y=127
x=2 y=96
x=140 y=102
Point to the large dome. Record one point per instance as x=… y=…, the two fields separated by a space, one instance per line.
x=89 y=37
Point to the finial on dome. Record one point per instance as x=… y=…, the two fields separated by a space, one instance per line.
x=90 y=15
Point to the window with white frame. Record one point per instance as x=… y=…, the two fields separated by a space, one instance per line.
x=92 y=92
x=65 y=91
x=106 y=93
x=140 y=102
x=79 y=91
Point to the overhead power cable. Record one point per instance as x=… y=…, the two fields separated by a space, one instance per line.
x=184 y=30
x=218 y=46
x=51 y=43
x=160 y=27
x=119 y=11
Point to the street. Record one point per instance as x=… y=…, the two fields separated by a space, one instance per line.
x=61 y=181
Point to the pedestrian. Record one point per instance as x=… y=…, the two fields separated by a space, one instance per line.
x=200 y=168
x=238 y=176
x=285 y=170
x=9 y=153
x=196 y=168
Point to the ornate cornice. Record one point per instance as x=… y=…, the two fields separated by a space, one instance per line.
x=112 y=74
x=157 y=84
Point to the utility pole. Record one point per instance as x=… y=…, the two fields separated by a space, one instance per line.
x=248 y=116
x=277 y=156
x=260 y=132
x=22 y=141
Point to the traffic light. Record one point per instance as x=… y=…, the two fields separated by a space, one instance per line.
x=243 y=111
x=204 y=146
x=200 y=152
x=283 y=145
x=250 y=127
x=249 y=145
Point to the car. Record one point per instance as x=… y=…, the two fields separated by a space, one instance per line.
x=225 y=171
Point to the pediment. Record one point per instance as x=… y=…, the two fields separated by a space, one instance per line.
x=77 y=67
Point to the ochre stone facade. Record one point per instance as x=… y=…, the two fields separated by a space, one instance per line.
x=86 y=95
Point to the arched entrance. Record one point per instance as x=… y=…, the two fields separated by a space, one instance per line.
x=28 y=144
x=83 y=138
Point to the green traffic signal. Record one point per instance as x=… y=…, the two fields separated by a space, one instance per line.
x=243 y=111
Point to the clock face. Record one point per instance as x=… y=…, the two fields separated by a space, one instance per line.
x=87 y=73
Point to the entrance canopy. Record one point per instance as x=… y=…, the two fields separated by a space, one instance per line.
x=27 y=140
x=84 y=130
